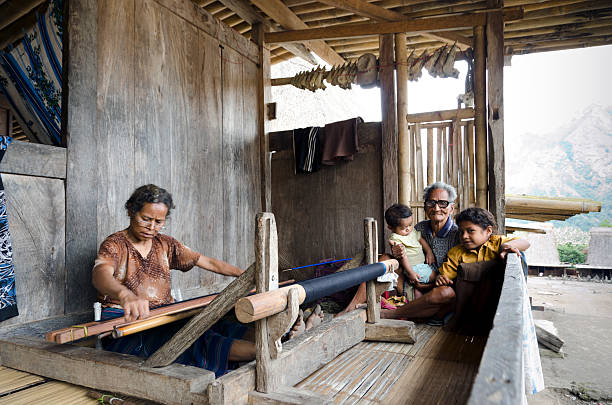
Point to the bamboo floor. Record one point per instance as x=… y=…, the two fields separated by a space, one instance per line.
x=18 y=387
x=439 y=369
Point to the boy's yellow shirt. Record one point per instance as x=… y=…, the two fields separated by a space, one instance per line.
x=459 y=254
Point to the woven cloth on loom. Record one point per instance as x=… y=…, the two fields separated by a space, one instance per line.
x=8 y=301
x=31 y=77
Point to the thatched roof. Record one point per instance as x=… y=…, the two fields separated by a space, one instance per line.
x=544 y=26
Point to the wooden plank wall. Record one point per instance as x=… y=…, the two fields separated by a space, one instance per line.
x=33 y=177
x=175 y=109
x=320 y=215
x=173 y=105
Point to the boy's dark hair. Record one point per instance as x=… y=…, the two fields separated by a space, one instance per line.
x=395 y=213
x=148 y=193
x=477 y=216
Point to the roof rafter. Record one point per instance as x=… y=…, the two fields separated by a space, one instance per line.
x=245 y=11
x=280 y=13
x=413 y=26
x=378 y=13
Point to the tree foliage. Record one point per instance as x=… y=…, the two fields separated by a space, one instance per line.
x=572 y=253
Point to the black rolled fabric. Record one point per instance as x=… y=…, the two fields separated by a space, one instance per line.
x=8 y=300
x=323 y=286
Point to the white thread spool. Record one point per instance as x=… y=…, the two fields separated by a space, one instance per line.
x=97 y=311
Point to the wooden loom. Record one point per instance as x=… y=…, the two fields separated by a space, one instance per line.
x=280 y=366
x=315 y=350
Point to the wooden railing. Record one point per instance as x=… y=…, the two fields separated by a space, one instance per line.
x=500 y=375
x=449 y=155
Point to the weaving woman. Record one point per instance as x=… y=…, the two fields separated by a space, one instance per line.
x=132 y=275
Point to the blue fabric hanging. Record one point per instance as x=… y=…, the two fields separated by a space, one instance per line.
x=31 y=77
x=8 y=301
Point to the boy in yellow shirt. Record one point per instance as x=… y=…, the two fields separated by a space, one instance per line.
x=478 y=243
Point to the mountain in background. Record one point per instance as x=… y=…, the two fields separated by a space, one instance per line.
x=573 y=161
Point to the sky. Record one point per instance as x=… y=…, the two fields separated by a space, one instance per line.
x=541 y=91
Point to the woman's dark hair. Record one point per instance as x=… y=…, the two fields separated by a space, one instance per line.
x=477 y=216
x=148 y=193
x=395 y=213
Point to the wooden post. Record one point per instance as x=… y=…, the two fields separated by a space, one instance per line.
x=444 y=175
x=480 y=117
x=413 y=189
x=263 y=97
x=439 y=166
x=495 y=64
x=389 y=122
x=266 y=279
x=430 y=156
x=371 y=256
x=471 y=162
x=79 y=127
x=402 y=124
x=419 y=167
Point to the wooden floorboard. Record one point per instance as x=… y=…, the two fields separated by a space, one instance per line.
x=438 y=369
x=53 y=392
x=12 y=380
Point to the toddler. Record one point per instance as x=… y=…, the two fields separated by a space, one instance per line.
x=408 y=246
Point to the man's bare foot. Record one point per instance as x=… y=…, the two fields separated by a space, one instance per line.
x=298 y=327
x=315 y=318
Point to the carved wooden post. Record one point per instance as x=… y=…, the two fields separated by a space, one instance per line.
x=371 y=255
x=266 y=279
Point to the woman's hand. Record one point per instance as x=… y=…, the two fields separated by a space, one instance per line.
x=442 y=280
x=430 y=258
x=133 y=306
x=506 y=248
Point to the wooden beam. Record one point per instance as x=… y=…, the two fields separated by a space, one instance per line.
x=33 y=159
x=442 y=115
x=246 y=12
x=15 y=31
x=370 y=234
x=500 y=373
x=480 y=121
x=266 y=279
x=107 y=371
x=13 y=10
x=413 y=26
x=495 y=92
x=379 y=13
x=203 y=321
x=391 y=330
x=403 y=134
x=288 y=396
x=389 y=122
x=79 y=124
x=280 y=13
x=263 y=97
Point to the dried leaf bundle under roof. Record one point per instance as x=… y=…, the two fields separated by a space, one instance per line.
x=545 y=26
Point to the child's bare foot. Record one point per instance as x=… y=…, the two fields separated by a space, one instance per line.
x=298 y=327
x=315 y=318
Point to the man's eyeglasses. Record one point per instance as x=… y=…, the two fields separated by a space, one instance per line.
x=151 y=224
x=440 y=203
